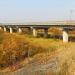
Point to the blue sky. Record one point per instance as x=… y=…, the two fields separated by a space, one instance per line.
x=36 y=10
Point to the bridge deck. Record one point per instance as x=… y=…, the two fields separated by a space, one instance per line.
x=41 y=24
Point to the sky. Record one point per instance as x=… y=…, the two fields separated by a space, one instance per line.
x=36 y=10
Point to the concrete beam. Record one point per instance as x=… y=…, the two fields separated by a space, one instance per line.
x=5 y=29
x=46 y=32
x=19 y=30
x=11 y=30
x=65 y=35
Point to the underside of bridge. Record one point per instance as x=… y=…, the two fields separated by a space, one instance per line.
x=34 y=31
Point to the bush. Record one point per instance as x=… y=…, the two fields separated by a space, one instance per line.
x=38 y=49
x=33 y=51
x=12 y=49
x=1 y=36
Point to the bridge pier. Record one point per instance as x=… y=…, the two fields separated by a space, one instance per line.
x=11 y=30
x=46 y=32
x=19 y=30
x=0 y=28
x=65 y=35
x=34 y=31
x=5 y=29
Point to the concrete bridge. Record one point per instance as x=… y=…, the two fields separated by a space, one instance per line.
x=64 y=26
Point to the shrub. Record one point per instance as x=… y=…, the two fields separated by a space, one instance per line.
x=1 y=36
x=38 y=49
x=12 y=49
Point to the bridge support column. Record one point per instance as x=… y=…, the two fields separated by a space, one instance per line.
x=19 y=30
x=46 y=32
x=65 y=35
x=5 y=29
x=34 y=32
x=11 y=30
x=0 y=28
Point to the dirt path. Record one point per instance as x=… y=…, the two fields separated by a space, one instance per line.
x=32 y=68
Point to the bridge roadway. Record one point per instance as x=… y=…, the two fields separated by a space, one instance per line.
x=64 y=26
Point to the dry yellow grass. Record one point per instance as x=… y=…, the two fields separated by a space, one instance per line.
x=39 y=51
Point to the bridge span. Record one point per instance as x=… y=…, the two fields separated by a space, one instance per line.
x=65 y=27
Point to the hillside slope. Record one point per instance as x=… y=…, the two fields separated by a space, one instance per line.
x=25 y=55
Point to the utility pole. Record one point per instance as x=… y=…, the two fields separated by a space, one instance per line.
x=71 y=13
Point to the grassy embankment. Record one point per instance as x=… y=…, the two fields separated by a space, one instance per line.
x=16 y=48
